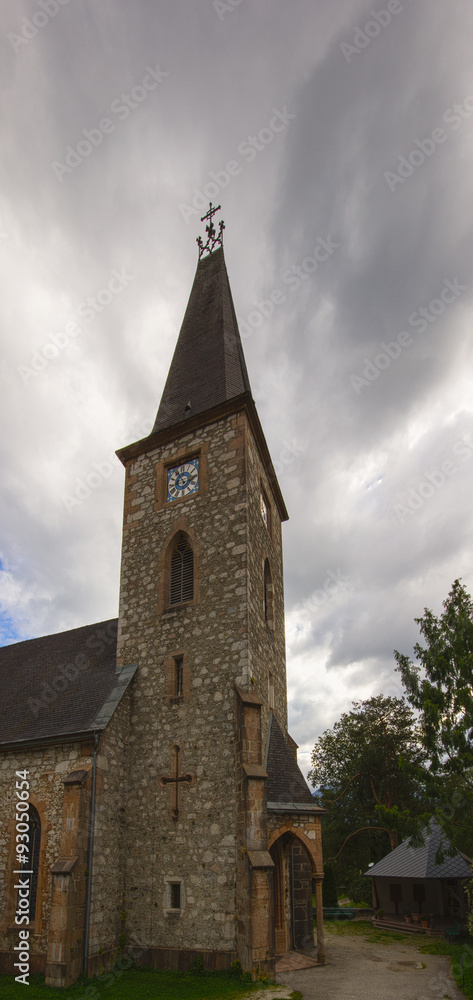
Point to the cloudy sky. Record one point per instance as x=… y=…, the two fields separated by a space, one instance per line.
x=337 y=136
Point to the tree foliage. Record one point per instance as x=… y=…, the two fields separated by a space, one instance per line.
x=366 y=768
x=440 y=687
x=443 y=693
x=391 y=763
x=469 y=892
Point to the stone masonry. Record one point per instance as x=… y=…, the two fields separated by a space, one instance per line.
x=225 y=642
x=46 y=775
x=63 y=805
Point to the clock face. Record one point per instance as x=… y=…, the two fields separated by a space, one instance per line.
x=183 y=479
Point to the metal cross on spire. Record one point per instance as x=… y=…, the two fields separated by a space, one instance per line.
x=213 y=238
x=175 y=779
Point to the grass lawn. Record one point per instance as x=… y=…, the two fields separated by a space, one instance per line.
x=140 y=984
x=424 y=944
x=363 y=928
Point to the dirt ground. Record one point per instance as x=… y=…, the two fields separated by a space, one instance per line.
x=358 y=970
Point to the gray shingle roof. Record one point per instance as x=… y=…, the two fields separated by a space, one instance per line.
x=208 y=366
x=419 y=862
x=60 y=684
x=285 y=784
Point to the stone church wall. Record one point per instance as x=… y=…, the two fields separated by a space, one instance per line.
x=224 y=640
x=47 y=768
x=108 y=912
x=267 y=640
x=198 y=850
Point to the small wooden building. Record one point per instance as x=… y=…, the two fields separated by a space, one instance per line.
x=408 y=879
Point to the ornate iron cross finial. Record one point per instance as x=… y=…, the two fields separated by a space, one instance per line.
x=213 y=238
x=174 y=779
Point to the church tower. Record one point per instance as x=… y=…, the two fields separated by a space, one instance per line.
x=215 y=802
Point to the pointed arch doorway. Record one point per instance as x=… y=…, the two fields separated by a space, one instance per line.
x=292 y=894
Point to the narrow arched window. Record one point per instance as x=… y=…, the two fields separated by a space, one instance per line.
x=182 y=572
x=268 y=594
x=270 y=690
x=31 y=866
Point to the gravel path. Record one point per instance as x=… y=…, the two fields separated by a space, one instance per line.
x=358 y=970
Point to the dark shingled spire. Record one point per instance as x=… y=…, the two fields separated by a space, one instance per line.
x=208 y=367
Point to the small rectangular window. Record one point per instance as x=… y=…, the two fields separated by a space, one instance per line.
x=268 y=595
x=175 y=895
x=179 y=676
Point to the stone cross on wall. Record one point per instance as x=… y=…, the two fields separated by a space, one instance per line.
x=175 y=779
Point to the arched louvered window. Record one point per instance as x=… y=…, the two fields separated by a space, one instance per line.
x=182 y=572
x=268 y=594
x=31 y=866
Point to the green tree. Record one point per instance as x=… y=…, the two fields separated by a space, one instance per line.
x=440 y=687
x=368 y=767
x=469 y=892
